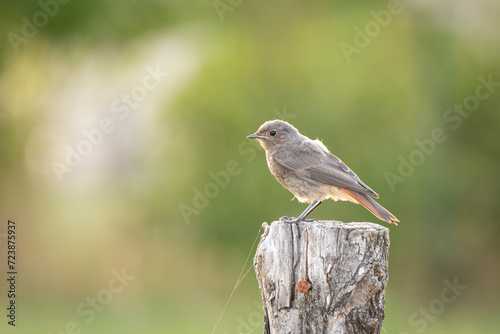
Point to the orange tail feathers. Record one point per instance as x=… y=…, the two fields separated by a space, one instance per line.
x=372 y=206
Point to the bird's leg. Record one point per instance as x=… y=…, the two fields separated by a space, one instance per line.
x=304 y=214
x=308 y=210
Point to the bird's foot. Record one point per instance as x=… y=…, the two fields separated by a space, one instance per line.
x=288 y=219
x=295 y=220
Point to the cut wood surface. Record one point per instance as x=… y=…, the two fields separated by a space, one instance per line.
x=341 y=269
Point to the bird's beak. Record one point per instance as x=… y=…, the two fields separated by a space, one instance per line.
x=256 y=136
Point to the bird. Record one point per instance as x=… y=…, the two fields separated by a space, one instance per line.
x=311 y=172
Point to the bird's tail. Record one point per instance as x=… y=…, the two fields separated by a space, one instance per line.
x=372 y=206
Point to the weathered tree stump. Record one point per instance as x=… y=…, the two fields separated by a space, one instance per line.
x=340 y=269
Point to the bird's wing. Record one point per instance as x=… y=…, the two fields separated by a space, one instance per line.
x=314 y=163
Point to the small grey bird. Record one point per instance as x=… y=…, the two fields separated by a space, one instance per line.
x=309 y=171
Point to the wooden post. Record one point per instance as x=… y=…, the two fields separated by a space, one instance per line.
x=340 y=270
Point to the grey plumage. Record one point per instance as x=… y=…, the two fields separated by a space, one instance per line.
x=307 y=169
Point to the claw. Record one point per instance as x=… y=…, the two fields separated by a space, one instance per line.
x=288 y=219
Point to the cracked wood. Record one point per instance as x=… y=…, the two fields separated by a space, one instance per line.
x=346 y=264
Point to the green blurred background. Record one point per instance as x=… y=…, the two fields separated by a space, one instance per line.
x=130 y=203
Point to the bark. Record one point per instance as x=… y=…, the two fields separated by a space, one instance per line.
x=345 y=265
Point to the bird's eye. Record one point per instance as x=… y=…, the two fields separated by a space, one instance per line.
x=272 y=133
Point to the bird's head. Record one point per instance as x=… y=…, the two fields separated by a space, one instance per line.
x=274 y=133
